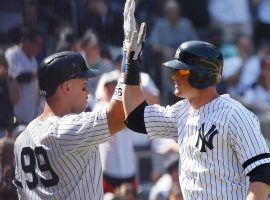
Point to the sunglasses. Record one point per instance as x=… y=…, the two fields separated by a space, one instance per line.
x=181 y=71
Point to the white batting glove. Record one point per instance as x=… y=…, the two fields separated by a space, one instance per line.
x=137 y=43
x=132 y=73
x=129 y=22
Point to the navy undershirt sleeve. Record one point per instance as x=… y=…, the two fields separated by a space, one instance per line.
x=135 y=119
x=260 y=173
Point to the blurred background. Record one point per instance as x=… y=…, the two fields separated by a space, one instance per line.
x=134 y=167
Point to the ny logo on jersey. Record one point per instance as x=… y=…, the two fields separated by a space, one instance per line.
x=206 y=139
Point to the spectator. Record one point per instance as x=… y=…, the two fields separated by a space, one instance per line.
x=9 y=95
x=7 y=192
x=171 y=29
x=117 y=156
x=168 y=31
x=7 y=160
x=176 y=193
x=32 y=21
x=257 y=98
x=97 y=15
x=10 y=17
x=125 y=192
x=23 y=67
x=116 y=6
x=55 y=13
x=162 y=188
x=162 y=149
x=262 y=21
x=108 y=196
x=232 y=17
x=68 y=41
x=242 y=70
x=148 y=85
x=148 y=11
x=91 y=50
x=197 y=12
x=7 y=189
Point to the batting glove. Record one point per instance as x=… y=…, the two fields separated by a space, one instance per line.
x=129 y=22
x=134 y=51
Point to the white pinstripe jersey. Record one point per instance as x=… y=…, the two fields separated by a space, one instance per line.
x=219 y=144
x=59 y=158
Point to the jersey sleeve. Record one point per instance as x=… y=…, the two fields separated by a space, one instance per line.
x=246 y=139
x=86 y=130
x=160 y=122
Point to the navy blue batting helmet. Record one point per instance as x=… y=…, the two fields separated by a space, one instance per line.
x=59 y=67
x=202 y=59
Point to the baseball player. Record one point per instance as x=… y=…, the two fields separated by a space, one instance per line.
x=57 y=156
x=220 y=142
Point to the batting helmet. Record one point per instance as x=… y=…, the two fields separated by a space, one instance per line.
x=60 y=67
x=202 y=59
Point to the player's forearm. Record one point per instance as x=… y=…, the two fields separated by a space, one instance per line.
x=116 y=116
x=133 y=97
x=258 y=191
x=150 y=98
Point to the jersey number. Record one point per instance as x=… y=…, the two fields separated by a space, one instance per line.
x=40 y=155
x=118 y=91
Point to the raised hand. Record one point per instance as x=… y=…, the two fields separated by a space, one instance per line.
x=132 y=73
x=137 y=43
x=129 y=22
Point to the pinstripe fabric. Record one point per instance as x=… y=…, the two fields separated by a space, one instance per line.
x=219 y=144
x=71 y=144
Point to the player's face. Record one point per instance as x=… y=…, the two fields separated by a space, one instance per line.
x=78 y=95
x=182 y=87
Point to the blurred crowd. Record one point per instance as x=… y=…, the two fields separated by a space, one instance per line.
x=134 y=167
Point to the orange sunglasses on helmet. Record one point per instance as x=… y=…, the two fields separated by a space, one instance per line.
x=182 y=71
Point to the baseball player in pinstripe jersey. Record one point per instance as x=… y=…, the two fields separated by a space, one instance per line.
x=57 y=156
x=223 y=153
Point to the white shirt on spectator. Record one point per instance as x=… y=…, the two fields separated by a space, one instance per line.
x=249 y=75
x=27 y=107
x=161 y=188
x=148 y=84
x=258 y=96
x=117 y=156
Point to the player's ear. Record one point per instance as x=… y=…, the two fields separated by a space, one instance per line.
x=65 y=87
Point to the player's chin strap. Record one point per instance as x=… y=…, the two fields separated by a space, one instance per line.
x=132 y=74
